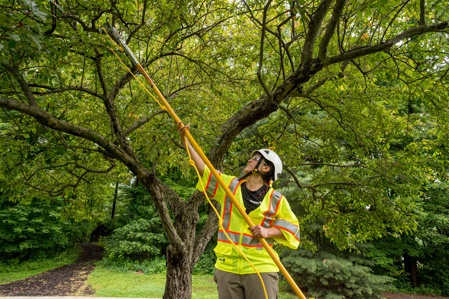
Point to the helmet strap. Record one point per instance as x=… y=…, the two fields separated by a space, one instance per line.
x=255 y=170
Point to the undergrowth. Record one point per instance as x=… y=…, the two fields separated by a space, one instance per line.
x=157 y=265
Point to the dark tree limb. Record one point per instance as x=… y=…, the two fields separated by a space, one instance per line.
x=393 y=19
x=100 y=73
x=142 y=22
x=86 y=28
x=141 y=122
x=53 y=18
x=52 y=122
x=331 y=26
x=53 y=90
x=422 y=10
x=293 y=176
x=321 y=82
x=363 y=51
x=25 y=88
x=313 y=30
x=261 y=51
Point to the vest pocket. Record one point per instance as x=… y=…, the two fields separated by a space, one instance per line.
x=223 y=249
x=224 y=257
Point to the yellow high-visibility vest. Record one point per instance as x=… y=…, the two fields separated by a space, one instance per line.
x=274 y=211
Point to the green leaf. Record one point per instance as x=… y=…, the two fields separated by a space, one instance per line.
x=12 y=44
x=15 y=37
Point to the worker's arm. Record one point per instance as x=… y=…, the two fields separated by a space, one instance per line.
x=259 y=231
x=195 y=157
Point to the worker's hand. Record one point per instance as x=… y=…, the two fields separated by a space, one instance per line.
x=182 y=131
x=259 y=231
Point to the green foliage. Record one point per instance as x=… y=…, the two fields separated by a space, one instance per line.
x=428 y=246
x=139 y=234
x=137 y=201
x=206 y=263
x=326 y=275
x=324 y=270
x=140 y=239
x=154 y=266
x=35 y=230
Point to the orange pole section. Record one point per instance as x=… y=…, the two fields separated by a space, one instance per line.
x=222 y=184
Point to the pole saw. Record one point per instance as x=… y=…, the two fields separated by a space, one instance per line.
x=113 y=34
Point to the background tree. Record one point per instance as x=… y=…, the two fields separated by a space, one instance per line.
x=317 y=72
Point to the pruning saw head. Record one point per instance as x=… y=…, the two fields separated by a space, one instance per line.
x=109 y=30
x=113 y=34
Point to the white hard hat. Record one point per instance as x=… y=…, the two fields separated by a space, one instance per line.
x=271 y=156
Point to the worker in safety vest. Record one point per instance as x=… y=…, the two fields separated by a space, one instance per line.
x=269 y=211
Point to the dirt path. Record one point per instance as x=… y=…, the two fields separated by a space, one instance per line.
x=63 y=281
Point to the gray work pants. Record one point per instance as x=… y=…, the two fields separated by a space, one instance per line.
x=246 y=286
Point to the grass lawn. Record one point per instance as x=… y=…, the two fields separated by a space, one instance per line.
x=111 y=283
x=17 y=271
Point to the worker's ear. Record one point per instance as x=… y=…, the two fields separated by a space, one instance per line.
x=265 y=168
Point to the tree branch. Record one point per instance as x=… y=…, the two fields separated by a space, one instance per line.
x=52 y=122
x=422 y=10
x=141 y=122
x=293 y=176
x=321 y=82
x=313 y=30
x=81 y=22
x=330 y=30
x=23 y=84
x=142 y=22
x=100 y=73
x=262 y=38
x=64 y=89
x=363 y=51
x=392 y=20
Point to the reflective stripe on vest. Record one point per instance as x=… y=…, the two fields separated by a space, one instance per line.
x=250 y=241
x=288 y=227
x=228 y=204
x=212 y=185
x=275 y=199
x=247 y=240
x=233 y=236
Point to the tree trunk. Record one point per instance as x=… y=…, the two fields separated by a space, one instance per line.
x=114 y=202
x=179 y=275
x=411 y=267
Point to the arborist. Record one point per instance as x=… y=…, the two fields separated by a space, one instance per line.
x=269 y=211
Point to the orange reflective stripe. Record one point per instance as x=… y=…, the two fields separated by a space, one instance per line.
x=288 y=227
x=232 y=235
x=250 y=241
x=275 y=199
x=228 y=204
x=212 y=185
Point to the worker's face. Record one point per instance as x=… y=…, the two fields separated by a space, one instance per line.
x=252 y=162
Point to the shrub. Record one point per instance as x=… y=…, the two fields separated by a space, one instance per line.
x=34 y=230
x=323 y=274
x=157 y=265
x=136 y=241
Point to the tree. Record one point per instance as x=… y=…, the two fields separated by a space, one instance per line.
x=419 y=260
x=320 y=69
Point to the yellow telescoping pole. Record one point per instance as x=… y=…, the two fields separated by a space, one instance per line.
x=116 y=36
